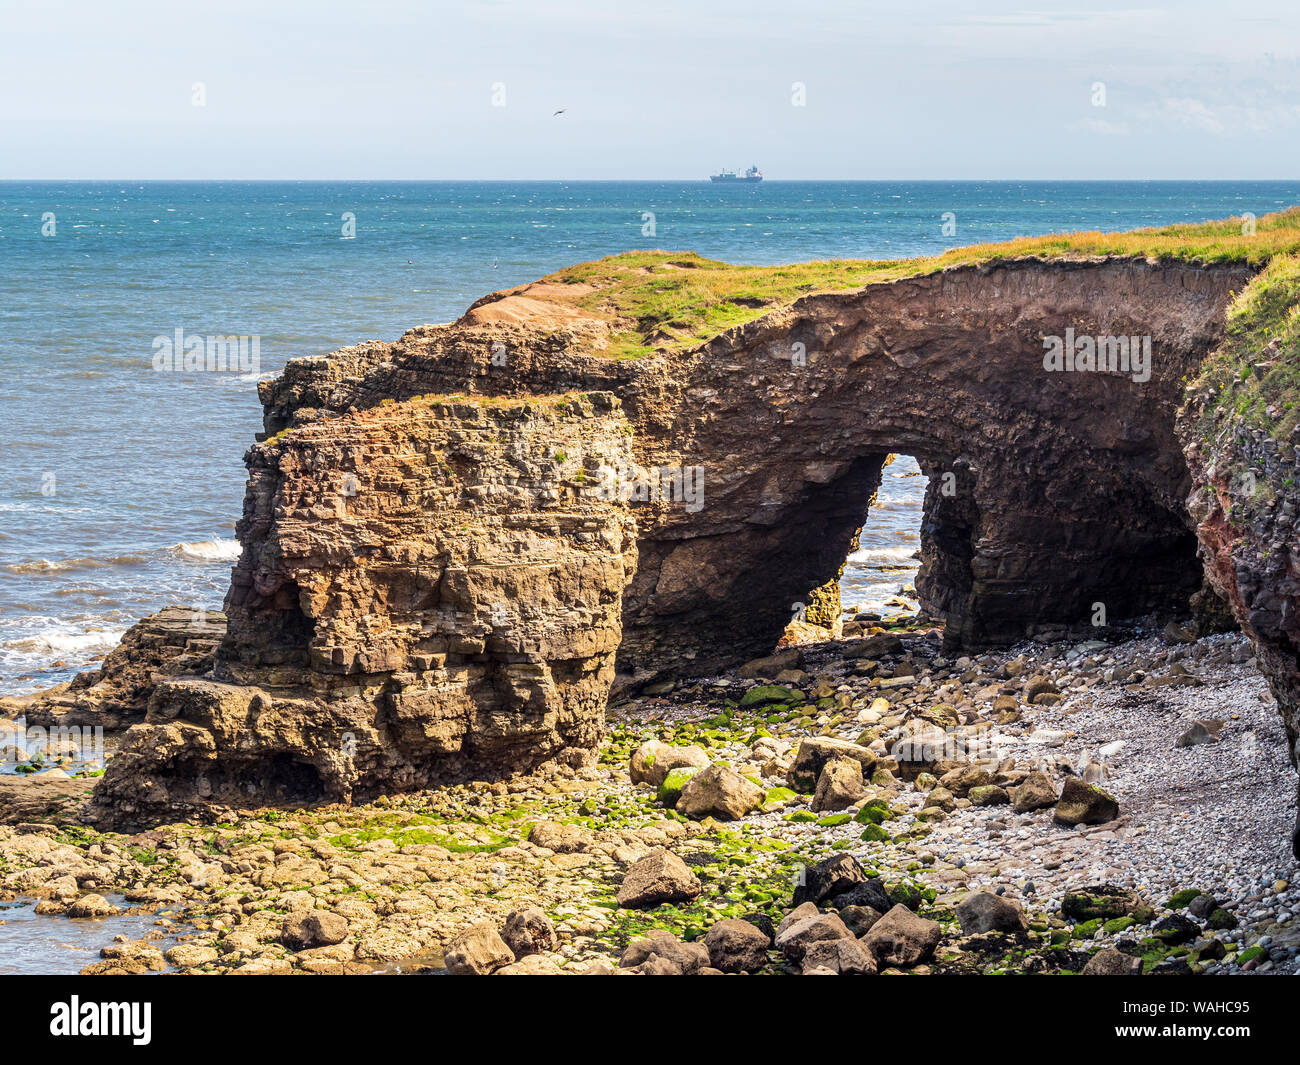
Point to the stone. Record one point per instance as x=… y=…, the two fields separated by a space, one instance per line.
x=844 y=957
x=859 y=919
x=804 y=909
x=665 y=955
x=985 y=912
x=796 y=938
x=1084 y=804
x=771 y=665
x=737 y=946
x=961 y=780
x=813 y=754
x=653 y=761
x=92 y=905
x=1037 y=792
x=867 y=892
x=657 y=878
x=839 y=786
x=1110 y=962
x=719 y=792
x=477 y=951
x=304 y=929
x=1100 y=902
x=1196 y=736
x=670 y=791
x=190 y=955
x=829 y=877
x=988 y=795
x=902 y=938
x=528 y=931
x=1176 y=929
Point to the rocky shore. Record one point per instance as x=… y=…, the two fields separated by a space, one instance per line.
x=762 y=821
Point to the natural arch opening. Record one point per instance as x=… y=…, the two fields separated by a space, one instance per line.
x=879 y=577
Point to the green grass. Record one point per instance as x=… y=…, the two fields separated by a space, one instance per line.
x=1256 y=371
x=661 y=301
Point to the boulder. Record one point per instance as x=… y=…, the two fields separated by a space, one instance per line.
x=839 y=786
x=657 y=878
x=653 y=761
x=662 y=951
x=859 y=919
x=528 y=931
x=815 y=751
x=986 y=912
x=961 y=780
x=902 y=938
x=1084 y=804
x=829 y=877
x=719 y=792
x=737 y=946
x=477 y=951
x=92 y=905
x=988 y=795
x=1036 y=793
x=869 y=891
x=305 y=929
x=797 y=937
x=1100 y=901
x=772 y=665
x=844 y=957
x=1110 y=962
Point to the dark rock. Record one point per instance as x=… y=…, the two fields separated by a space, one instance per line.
x=983 y=912
x=830 y=877
x=737 y=946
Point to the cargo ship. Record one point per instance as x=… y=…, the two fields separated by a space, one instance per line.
x=748 y=177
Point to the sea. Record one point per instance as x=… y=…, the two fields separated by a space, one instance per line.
x=120 y=483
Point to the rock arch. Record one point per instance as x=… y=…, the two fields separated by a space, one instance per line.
x=404 y=492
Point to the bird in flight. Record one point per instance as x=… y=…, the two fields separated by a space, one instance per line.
x=560 y=111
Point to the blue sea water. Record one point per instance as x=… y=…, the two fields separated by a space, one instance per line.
x=121 y=484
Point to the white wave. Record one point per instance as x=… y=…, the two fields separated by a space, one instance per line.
x=881 y=555
x=62 y=643
x=209 y=550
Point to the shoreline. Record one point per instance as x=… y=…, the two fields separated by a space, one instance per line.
x=409 y=874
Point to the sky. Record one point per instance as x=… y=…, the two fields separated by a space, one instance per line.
x=670 y=89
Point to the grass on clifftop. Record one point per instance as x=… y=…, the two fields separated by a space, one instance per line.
x=666 y=301
x=1257 y=368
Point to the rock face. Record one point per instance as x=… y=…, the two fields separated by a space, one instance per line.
x=1245 y=502
x=428 y=592
x=1049 y=492
x=176 y=641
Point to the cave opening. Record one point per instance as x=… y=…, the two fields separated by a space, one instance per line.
x=880 y=572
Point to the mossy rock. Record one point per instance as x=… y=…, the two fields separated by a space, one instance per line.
x=778 y=796
x=1221 y=920
x=671 y=789
x=1118 y=924
x=763 y=694
x=1087 y=929
x=874 y=834
x=1251 y=954
x=874 y=812
x=800 y=817
x=833 y=820
x=1180 y=900
x=905 y=894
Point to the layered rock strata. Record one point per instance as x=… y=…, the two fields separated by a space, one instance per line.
x=430 y=590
